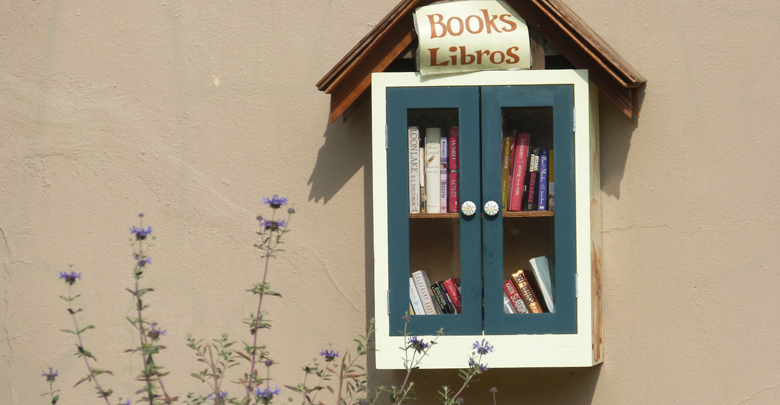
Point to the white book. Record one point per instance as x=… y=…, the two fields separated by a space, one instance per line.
x=444 y=157
x=414 y=297
x=508 y=307
x=414 y=170
x=421 y=181
x=424 y=289
x=433 y=170
x=544 y=271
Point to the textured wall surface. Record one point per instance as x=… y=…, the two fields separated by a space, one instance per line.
x=192 y=112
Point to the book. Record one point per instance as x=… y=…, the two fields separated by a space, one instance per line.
x=519 y=171
x=544 y=271
x=423 y=194
x=452 y=286
x=411 y=310
x=526 y=292
x=507 y=147
x=508 y=307
x=551 y=183
x=423 y=285
x=444 y=159
x=541 y=204
x=453 y=164
x=414 y=169
x=446 y=303
x=432 y=170
x=414 y=297
x=441 y=303
x=515 y=298
x=450 y=302
x=529 y=194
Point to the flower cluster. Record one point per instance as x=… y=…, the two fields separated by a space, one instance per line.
x=51 y=375
x=271 y=224
x=141 y=233
x=143 y=262
x=71 y=277
x=329 y=355
x=479 y=367
x=418 y=344
x=156 y=332
x=482 y=348
x=222 y=394
x=275 y=202
x=267 y=394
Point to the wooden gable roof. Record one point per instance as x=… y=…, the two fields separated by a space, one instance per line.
x=350 y=78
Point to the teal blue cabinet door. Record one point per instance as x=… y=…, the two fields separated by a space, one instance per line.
x=543 y=114
x=446 y=245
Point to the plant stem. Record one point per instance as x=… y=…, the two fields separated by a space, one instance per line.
x=81 y=344
x=471 y=374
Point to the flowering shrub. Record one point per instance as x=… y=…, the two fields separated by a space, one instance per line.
x=341 y=375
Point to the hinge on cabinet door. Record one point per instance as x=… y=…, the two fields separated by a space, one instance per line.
x=388 y=302
x=574 y=119
x=386 y=143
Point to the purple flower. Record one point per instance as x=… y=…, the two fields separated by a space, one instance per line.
x=418 y=344
x=480 y=367
x=124 y=403
x=272 y=225
x=156 y=332
x=267 y=394
x=141 y=233
x=222 y=394
x=494 y=390
x=482 y=348
x=71 y=277
x=329 y=355
x=275 y=202
x=51 y=375
x=291 y=210
x=144 y=262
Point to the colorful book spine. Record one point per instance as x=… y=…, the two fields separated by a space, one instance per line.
x=515 y=298
x=438 y=294
x=532 y=180
x=432 y=170
x=451 y=285
x=414 y=298
x=507 y=147
x=448 y=298
x=542 y=201
x=453 y=199
x=444 y=159
x=508 y=307
x=414 y=170
x=524 y=287
x=519 y=171
x=424 y=290
x=551 y=183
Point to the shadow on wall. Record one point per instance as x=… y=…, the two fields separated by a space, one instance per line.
x=616 y=133
x=347 y=149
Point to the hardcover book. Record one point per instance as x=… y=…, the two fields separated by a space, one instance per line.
x=445 y=157
x=423 y=285
x=507 y=149
x=515 y=298
x=433 y=170
x=414 y=170
x=453 y=290
x=526 y=292
x=520 y=162
x=441 y=303
x=542 y=197
x=453 y=164
x=446 y=304
x=414 y=298
x=423 y=194
x=529 y=200
x=544 y=271
x=508 y=307
x=551 y=183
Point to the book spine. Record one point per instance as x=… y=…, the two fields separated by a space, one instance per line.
x=414 y=170
x=453 y=200
x=452 y=289
x=411 y=310
x=551 y=183
x=527 y=292
x=444 y=159
x=515 y=298
x=507 y=147
x=438 y=293
x=424 y=289
x=519 y=171
x=508 y=307
x=542 y=203
x=423 y=195
x=432 y=169
x=533 y=173
x=450 y=302
x=414 y=297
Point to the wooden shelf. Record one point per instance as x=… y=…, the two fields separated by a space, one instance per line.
x=517 y=214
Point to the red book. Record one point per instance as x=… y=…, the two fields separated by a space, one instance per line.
x=514 y=296
x=451 y=285
x=453 y=164
x=518 y=172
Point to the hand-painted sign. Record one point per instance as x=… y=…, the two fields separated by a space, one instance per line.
x=466 y=36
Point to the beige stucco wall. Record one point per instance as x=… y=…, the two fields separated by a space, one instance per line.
x=191 y=113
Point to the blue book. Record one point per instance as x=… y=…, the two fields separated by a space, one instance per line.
x=543 y=164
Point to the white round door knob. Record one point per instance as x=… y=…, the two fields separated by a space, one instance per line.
x=468 y=208
x=491 y=208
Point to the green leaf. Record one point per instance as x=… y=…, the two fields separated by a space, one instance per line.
x=55 y=399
